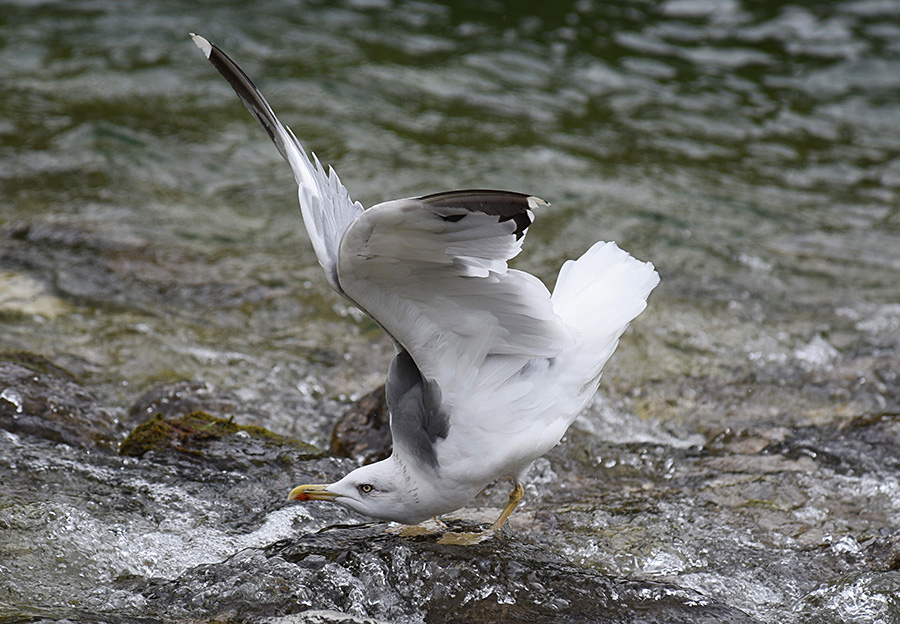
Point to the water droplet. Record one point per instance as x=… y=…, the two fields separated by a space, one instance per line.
x=11 y=395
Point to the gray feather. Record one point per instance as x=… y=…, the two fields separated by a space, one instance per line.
x=417 y=420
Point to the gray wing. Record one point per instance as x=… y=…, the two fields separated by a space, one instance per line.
x=432 y=271
x=417 y=418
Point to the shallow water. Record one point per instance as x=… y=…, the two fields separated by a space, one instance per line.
x=741 y=444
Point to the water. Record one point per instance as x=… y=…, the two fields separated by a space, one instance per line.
x=741 y=447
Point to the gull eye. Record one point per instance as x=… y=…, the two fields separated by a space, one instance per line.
x=366 y=488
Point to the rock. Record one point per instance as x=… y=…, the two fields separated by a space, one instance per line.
x=363 y=432
x=41 y=399
x=180 y=398
x=321 y=617
x=866 y=444
x=882 y=553
x=862 y=597
x=364 y=571
x=97 y=266
x=218 y=442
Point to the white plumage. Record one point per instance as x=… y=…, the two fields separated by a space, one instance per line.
x=491 y=369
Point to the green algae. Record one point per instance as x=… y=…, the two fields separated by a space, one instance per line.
x=199 y=434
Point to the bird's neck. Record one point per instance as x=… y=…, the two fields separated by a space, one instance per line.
x=428 y=493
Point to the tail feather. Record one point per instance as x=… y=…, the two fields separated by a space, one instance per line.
x=597 y=296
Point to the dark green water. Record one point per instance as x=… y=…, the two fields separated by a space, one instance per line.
x=751 y=150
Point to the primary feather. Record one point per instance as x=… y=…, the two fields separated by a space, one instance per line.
x=324 y=202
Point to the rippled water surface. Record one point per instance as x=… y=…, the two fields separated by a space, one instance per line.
x=149 y=233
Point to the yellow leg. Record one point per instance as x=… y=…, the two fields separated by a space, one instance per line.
x=515 y=497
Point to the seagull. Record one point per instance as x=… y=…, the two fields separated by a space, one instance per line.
x=491 y=368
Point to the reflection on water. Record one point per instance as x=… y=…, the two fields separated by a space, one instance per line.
x=149 y=233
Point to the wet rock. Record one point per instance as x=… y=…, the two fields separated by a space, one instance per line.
x=867 y=597
x=868 y=444
x=363 y=432
x=213 y=441
x=75 y=259
x=882 y=553
x=758 y=464
x=321 y=617
x=183 y=397
x=41 y=399
x=367 y=573
x=23 y=296
x=102 y=266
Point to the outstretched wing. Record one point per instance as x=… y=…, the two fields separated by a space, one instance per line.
x=433 y=272
x=324 y=202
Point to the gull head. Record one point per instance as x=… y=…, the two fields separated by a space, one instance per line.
x=381 y=490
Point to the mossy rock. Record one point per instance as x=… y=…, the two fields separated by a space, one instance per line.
x=220 y=441
x=180 y=398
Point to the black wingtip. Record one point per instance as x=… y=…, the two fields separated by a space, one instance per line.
x=507 y=205
x=245 y=90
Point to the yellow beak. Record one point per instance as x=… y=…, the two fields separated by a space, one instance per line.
x=311 y=492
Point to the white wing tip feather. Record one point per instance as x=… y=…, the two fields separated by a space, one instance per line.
x=203 y=44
